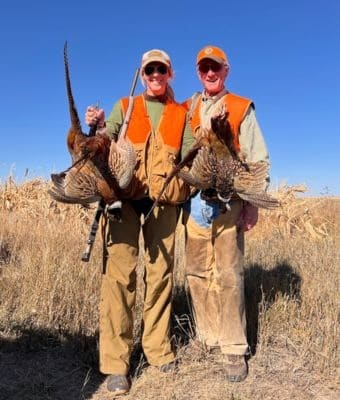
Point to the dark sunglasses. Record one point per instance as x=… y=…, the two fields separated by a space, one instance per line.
x=206 y=67
x=151 y=69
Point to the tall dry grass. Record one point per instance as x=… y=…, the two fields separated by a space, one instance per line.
x=292 y=291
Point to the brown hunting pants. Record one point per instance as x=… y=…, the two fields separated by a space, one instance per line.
x=214 y=269
x=118 y=290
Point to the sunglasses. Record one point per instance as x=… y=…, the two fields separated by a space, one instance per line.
x=206 y=67
x=151 y=69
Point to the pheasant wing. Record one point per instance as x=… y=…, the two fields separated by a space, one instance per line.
x=122 y=161
x=250 y=184
x=252 y=178
x=200 y=174
x=261 y=200
x=77 y=186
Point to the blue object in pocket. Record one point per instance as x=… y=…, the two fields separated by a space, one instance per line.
x=202 y=212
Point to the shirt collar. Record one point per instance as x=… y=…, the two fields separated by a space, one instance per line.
x=159 y=99
x=214 y=98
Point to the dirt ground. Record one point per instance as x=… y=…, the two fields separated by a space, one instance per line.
x=39 y=366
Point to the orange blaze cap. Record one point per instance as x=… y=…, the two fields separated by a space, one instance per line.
x=213 y=53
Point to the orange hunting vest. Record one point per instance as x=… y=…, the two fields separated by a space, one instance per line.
x=156 y=150
x=170 y=127
x=236 y=106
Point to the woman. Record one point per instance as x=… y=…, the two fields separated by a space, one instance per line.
x=156 y=128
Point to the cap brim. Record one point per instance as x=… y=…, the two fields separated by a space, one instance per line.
x=156 y=59
x=217 y=59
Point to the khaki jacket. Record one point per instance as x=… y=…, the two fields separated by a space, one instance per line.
x=157 y=151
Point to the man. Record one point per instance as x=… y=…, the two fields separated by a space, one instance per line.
x=156 y=129
x=215 y=239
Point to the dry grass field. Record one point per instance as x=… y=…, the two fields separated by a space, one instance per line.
x=49 y=306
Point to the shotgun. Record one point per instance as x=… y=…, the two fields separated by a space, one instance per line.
x=101 y=205
x=94 y=227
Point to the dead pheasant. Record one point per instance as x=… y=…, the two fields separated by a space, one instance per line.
x=100 y=167
x=219 y=168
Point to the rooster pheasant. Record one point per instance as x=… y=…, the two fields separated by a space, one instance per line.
x=101 y=167
x=219 y=167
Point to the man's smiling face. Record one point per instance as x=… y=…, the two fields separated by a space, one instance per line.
x=212 y=75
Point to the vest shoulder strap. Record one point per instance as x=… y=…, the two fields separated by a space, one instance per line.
x=193 y=103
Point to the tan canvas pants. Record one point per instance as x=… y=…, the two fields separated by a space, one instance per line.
x=118 y=291
x=214 y=269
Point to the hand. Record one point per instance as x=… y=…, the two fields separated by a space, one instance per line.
x=248 y=217
x=95 y=116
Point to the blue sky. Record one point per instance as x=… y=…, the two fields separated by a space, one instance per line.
x=284 y=55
